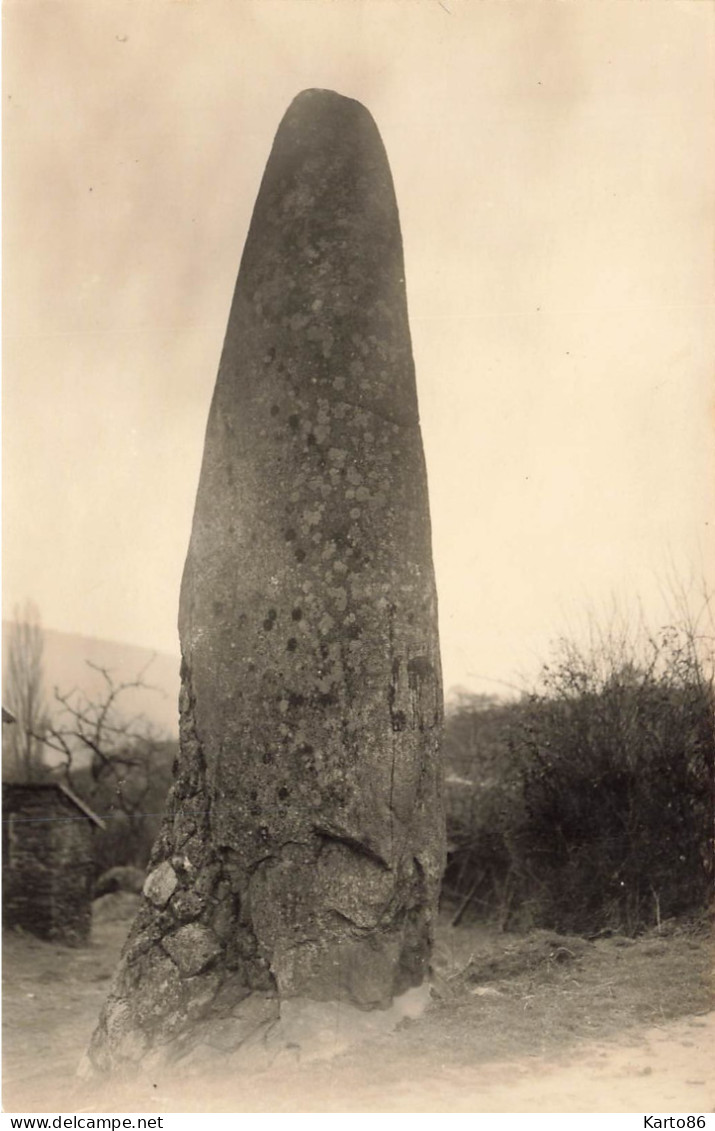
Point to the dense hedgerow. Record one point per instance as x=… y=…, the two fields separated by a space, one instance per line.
x=591 y=801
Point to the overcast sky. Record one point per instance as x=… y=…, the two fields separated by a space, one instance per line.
x=554 y=165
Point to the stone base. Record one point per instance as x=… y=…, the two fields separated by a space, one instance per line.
x=262 y=1031
x=316 y=1030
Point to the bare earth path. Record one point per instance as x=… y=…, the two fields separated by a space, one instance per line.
x=521 y=1024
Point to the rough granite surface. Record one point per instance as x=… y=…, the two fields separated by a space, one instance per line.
x=303 y=846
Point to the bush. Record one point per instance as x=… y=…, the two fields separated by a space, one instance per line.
x=593 y=799
x=484 y=806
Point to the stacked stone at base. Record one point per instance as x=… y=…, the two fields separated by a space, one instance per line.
x=300 y=858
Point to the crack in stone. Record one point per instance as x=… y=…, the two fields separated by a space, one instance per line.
x=329 y=834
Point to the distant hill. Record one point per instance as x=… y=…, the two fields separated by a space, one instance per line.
x=65 y=666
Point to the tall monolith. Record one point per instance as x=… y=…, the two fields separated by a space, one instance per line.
x=300 y=858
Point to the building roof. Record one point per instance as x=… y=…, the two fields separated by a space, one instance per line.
x=9 y=787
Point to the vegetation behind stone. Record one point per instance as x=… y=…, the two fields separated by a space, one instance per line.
x=587 y=806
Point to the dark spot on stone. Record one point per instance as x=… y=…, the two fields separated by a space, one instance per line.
x=267 y=758
x=300 y=555
x=399 y=720
x=283 y=793
x=271 y=353
x=418 y=667
x=353 y=631
x=274 y=410
x=305 y=748
x=295 y=700
x=293 y=421
x=217 y=608
x=342 y=539
x=394 y=680
x=292 y=644
x=268 y=624
x=297 y=614
x=310 y=440
x=290 y=535
x=250 y=667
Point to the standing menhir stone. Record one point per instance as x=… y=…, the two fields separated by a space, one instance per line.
x=301 y=855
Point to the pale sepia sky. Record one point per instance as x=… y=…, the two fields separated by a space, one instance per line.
x=554 y=164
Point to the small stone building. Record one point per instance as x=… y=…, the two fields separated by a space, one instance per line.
x=47 y=860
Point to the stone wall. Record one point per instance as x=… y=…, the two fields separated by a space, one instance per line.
x=47 y=864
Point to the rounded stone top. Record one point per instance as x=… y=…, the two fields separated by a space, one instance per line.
x=318 y=100
x=320 y=121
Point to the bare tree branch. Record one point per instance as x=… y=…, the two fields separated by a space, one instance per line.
x=94 y=733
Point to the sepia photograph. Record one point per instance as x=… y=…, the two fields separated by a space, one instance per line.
x=358 y=641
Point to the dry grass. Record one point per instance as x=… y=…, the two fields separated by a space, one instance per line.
x=540 y=992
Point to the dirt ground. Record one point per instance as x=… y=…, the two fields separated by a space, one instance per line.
x=529 y=1023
